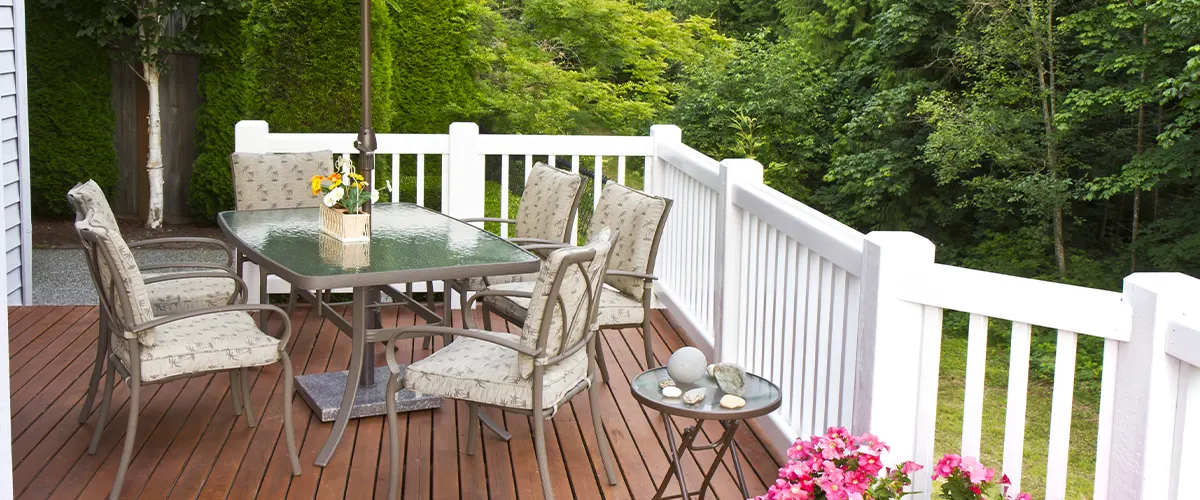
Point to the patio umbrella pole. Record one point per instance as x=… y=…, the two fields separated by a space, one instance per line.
x=366 y=145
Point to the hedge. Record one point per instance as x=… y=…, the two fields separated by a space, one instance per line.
x=71 y=118
x=223 y=91
x=433 y=83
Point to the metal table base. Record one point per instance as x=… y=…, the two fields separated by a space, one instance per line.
x=323 y=393
x=689 y=444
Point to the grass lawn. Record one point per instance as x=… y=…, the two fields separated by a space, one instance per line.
x=1082 y=456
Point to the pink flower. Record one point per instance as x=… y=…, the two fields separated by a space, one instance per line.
x=945 y=467
x=872 y=442
x=910 y=467
x=975 y=471
x=869 y=464
x=1024 y=496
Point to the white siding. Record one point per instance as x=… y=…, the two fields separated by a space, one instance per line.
x=14 y=152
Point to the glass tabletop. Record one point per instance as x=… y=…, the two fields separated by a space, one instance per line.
x=408 y=243
x=762 y=397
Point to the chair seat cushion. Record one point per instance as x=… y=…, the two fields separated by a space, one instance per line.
x=480 y=371
x=616 y=308
x=185 y=294
x=211 y=342
x=477 y=284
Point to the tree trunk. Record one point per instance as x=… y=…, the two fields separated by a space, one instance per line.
x=1046 y=68
x=1141 y=147
x=154 y=165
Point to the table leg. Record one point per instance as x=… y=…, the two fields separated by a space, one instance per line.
x=689 y=437
x=374 y=320
x=722 y=447
x=737 y=464
x=354 y=374
x=263 y=298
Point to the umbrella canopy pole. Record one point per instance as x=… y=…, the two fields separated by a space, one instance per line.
x=366 y=143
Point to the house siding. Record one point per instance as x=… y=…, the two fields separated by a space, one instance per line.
x=14 y=153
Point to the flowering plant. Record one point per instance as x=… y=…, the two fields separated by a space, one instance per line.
x=838 y=466
x=967 y=479
x=345 y=189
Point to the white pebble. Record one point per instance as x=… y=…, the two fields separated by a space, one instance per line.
x=671 y=392
x=732 y=402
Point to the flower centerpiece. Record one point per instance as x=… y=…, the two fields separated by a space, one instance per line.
x=344 y=192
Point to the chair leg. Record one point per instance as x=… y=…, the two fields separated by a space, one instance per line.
x=235 y=392
x=473 y=424
x=287 y=413
x=487 y=316
x=105 y=401
x=292 y=296
x=244 y=382
x=648 y=339
x=393 y=386
x=539 y=447
x=600 y=358
x=427 y=343
x=130 y=437
x=97 y=368
x=601 y=439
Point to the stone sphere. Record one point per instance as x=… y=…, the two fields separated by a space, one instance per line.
x=687 y=365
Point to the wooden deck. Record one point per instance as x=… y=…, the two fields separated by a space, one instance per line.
x=191 y=445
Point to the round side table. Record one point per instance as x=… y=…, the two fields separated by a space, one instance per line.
x=762 y=397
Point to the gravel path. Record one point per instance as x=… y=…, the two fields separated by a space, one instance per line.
x=60 y=276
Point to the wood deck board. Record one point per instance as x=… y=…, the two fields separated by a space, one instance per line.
x=191 y=445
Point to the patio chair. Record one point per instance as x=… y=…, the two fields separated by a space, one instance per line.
x=626 y=300
x=534 y=373
x=149 y=349
x=263 y=181
x=547 y=209
x=169 y=292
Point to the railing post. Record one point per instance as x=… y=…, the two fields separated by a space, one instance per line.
x=655 y=165
x=250 y=136
x=1146 y=390
x=728 y=286
x=887 y=392
x=463 y=180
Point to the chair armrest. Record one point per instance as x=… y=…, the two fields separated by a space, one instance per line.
x=285 y=324
x=229 y=254
x=490 y=219
x=545 y=246
x=520 y=241
x=631 y=274
x=185 y=265
x=239 y=288
x=469 y=319
x=421 y=331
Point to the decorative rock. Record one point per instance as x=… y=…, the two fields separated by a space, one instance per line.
x=671 y=391
x=687 y=365
x=730 y=378
x=732 y=402
x=666 y=383
x=695 y=396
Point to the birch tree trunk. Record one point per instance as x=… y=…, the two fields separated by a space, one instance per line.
x=154 y=165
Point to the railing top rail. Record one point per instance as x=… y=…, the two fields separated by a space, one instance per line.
x=1183 y=339
x=694 y=163
x=582 y=145
x=1088 y=311
x=837 y=242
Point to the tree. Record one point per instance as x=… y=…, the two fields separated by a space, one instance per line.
x=145 y=32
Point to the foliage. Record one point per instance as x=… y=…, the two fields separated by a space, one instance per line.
x=71 y=120
x=222 y=86
x=432 y=83
x=145 y=31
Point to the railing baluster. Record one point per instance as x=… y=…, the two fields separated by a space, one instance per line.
x=1060 y=415
x=824 y=336
x=851 y=365
x=394 y=187
x=575 y=218
x=621 y=170
x=504 y=194
x=1018 y=392
x=977 y=334
x=528 y=167
x=420 y=188
x=746 y=285
x=597 y=178
x=766 y=333
x=812 y=295
x=837 y=338
x=1104 y=421
x=787 y=347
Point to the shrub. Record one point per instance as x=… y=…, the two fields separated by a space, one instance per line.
x=71 y=119
x=222 y=87
x=433 y=85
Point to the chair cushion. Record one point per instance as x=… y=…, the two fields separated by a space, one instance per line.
x=211 y=342
x=636 y=216
x=185 y=294
x=480 y=371
x=547 y=203
x=277 y=180
x=616 y=308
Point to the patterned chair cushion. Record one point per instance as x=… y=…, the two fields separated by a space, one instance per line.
x=547 y=203
x=636 y=217
x=185 y=294
x=483 y=372
x=211 y=342
x=570 y=311
x=277 y=180
x=120 y=282
x=616 y=308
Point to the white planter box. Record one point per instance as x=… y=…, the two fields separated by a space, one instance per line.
x=345 y=227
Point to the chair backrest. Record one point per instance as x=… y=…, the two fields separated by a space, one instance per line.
x=548 y=203
x=111 y=263
x=640 y=219
x=277 y=180
x=565 y=299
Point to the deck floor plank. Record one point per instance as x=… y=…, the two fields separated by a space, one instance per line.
x=189 y=444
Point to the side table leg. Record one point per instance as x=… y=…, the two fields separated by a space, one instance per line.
x=722 y=446
x=689 y=437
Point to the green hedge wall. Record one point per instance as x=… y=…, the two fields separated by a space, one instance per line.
x=71 y=120
x=433 y=84
x=223 y=90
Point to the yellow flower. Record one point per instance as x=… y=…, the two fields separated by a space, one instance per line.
x=356 y=175
x=316 y=184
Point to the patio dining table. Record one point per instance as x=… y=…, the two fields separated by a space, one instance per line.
x=408 y=244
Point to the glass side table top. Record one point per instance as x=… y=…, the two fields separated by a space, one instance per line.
x=408 y=243
x=762 y=397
